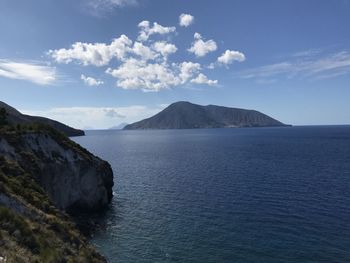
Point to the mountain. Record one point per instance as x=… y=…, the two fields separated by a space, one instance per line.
x=119 y=127
x=15 y=117
x=186 y=115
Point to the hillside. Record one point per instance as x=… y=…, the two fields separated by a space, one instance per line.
x=15 y=117
x=43 y=175
x=186 y=115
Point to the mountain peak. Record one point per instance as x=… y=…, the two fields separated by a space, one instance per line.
x=187 y=115
x=15 y=117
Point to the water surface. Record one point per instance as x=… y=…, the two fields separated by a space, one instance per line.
x=226 y=195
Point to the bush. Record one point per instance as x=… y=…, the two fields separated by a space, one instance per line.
x=14 y=223
x=3 y=117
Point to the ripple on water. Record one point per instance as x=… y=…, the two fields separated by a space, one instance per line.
x=226 y=195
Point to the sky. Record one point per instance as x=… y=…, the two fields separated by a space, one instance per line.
x=94 y=64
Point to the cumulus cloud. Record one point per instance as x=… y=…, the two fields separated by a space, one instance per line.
x=185 y=20
x=144 y=64
x=35 y=72
x=90 y=81
x=187 y=70
x=135 y=74
x=138 y=74
x=164 y=48
x=200 y=48
x=144 y=52
x=229 y=56
x=113 y=113
x=146 y=30
x=97 y=54
x=101 y=54
x=203 y=79
x=97 y=117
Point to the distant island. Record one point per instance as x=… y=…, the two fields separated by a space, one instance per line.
x=14 y=117
x=118 y=127
x=186 y=115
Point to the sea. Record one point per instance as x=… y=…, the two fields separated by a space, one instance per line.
x=226 y=195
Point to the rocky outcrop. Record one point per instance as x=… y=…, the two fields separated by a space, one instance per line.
x=32 y=229
x=44 y=174
x=73 y=178
x=186 y=115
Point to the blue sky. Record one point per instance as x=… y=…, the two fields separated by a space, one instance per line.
x=98 y=63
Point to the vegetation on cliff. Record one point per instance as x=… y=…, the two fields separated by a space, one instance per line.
x=32 y=228
x=73 y=177
x=15 y=117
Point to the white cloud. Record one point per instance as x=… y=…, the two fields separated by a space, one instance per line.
x=90 y=81
x=144 y=52
x=307 y=53
x=112 y=3
x=146 y=30
x=185 y=20
x=101 y=7
x=113 y=113
x=187 y=70
x=200 y=48
x=98 y=117
x=164 y=48
x=141 y=64
x=326 y=66
x=203 y=79
x=97 y=54
x=211 y=66
x=230 y=56
x=138 y=74
x=35 y=72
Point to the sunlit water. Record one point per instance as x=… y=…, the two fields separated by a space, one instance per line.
x=226 y=195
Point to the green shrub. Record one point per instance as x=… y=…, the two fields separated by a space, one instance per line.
x=3 y=117
x=19 y=228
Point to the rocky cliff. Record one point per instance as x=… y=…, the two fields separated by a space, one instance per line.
x=72 y=177
x=42 y=170
x=186 y=115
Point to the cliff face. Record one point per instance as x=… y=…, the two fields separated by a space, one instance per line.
x=186 y=115
x=32 y=229
x=72 y=177
x=42 y=170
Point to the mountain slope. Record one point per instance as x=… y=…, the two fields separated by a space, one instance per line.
x=15 y=117
x=119 y=126
x=186 y=115
x=42 y=174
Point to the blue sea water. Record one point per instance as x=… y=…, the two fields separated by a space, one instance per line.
x=226 y=195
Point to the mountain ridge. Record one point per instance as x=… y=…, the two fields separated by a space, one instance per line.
x=15 y=117
x=187 y=115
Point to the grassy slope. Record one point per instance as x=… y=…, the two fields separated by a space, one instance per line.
x=31 y=228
